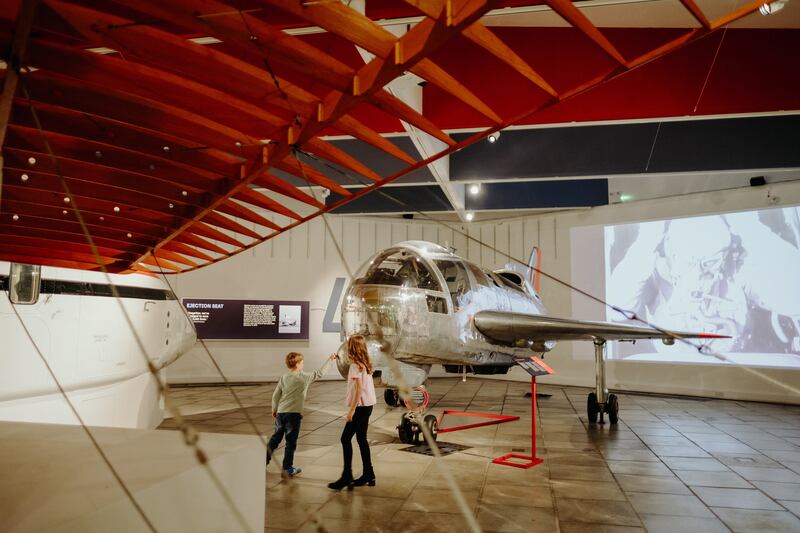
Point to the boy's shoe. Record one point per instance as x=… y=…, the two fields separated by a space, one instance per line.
x=293 y=471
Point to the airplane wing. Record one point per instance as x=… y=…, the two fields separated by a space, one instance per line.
x=513 y=328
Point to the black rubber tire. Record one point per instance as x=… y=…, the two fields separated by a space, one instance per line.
x=432 y=425
x=612 y=408
x=405 y=432
x=391 y=397
x=592 y=408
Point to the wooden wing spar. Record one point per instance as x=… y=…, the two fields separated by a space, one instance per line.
x=150 y=135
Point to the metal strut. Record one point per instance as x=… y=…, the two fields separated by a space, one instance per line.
x=600 y=373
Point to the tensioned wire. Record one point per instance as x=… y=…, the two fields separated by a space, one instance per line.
x=630 y=315
x=403 y=388
x=189 y=434
x=185 y=428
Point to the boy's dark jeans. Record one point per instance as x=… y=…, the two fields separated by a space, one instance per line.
x=288 y=423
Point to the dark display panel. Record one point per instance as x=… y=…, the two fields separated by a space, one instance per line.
x=248 y=319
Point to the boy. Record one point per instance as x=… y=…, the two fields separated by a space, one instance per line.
x=287 y=408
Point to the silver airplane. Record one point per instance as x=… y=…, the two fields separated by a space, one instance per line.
x=418 y=305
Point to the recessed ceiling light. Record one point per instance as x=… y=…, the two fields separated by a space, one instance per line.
x=470 y=216
x=15 y=217
x=770 y=8
x=475 y=188
x=31 y=161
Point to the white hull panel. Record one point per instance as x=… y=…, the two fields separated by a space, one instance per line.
x=132 y=403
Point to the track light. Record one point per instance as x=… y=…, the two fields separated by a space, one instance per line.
x=469 y=216
x=492 y=138
x=474 y=189
x=773 y=7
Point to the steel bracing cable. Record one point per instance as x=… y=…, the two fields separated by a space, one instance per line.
x=189 y=434
x=405 y=390
x=83 y=425
x=703 y=349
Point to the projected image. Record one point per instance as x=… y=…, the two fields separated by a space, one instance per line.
x=736 y=274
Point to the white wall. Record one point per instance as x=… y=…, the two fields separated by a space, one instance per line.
x=303 y=264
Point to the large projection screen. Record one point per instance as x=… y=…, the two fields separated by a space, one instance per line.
x=735 y=274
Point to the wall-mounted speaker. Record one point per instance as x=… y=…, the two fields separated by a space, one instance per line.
x=757 y=180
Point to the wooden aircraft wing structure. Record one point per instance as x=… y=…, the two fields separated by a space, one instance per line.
x=150 y=135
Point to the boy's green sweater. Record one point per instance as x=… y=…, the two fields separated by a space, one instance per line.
x=290 y=394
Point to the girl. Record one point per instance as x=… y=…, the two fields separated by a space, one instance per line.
x=360 y=399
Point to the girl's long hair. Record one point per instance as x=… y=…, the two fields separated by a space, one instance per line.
x=357 y=350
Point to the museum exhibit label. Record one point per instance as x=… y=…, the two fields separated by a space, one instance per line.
x=248 y=319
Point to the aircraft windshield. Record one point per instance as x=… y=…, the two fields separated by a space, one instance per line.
x=455 y=275
x=401 y=269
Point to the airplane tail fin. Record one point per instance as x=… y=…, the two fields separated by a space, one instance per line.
x=534 y=265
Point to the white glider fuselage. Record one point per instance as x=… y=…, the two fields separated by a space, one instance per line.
x=98 y=354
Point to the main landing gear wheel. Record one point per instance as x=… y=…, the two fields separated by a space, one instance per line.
x=612 y=408
x=391 y=397
x=592 y=408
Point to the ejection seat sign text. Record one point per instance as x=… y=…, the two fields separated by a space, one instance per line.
x=248 y=319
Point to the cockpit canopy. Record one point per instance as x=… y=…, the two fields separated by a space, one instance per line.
x=401 y=268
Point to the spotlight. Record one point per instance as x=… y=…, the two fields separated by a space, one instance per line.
x=474 y=189
x=492 y=138
x=770 y=8
x=469 y=216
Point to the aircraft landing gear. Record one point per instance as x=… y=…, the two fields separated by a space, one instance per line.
x=410 y=431
x=592 y=408
x=600 y=401
x=411 y=425
x=391 y=397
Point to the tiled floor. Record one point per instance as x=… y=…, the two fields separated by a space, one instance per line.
x=671 y=465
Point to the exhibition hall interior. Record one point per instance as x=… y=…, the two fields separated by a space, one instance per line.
x=400 y=266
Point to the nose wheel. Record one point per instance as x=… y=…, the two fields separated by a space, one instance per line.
x=411 y=430
x=391 y=397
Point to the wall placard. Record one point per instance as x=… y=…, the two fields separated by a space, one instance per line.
x=248 y=319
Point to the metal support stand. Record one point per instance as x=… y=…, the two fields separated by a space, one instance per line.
x=531 y=459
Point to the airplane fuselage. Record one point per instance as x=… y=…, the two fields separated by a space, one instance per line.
x=415 y=302
x=98 y=354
